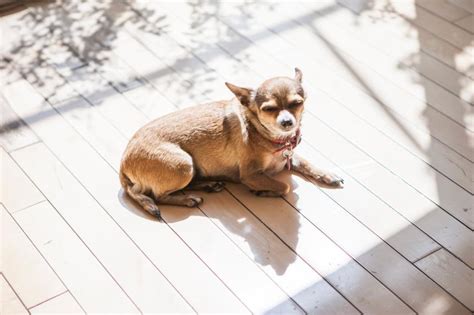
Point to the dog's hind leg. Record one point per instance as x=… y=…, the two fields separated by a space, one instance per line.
x=136 y=193
x=160 y=173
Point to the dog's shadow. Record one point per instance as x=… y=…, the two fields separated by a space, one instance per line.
x=269 y=227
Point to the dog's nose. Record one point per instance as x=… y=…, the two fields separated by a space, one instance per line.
x=286 y=123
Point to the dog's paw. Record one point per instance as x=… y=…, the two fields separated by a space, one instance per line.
x=214 y=187
x=193 y=201
x=267 y=193
x=331 y=180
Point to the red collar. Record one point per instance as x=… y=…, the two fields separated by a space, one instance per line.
x=287 y=146
x=290 y=143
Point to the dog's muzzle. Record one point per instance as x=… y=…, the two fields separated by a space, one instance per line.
x=286 y=119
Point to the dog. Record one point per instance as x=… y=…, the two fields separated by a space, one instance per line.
x=246 y=139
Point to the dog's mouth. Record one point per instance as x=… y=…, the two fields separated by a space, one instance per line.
x=279 y=132
x=287 y=129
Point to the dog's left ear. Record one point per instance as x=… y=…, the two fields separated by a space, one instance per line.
x=298 y=75
x=243 y=94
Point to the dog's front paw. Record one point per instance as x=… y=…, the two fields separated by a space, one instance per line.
x=193 y=201
x=267 y=193
x=331 y=180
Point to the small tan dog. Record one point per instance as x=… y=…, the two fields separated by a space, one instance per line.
x=246 y=140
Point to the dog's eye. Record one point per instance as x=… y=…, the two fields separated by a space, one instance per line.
x=270 y=109
x=295 y=104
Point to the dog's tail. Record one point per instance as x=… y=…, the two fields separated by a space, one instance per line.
x=136 y=193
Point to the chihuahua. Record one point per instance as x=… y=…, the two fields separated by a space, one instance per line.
x=246 y=139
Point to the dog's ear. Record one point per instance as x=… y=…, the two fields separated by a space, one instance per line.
x=244 y=95
x=298 y=75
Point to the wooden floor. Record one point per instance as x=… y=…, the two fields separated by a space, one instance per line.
x=390 y=110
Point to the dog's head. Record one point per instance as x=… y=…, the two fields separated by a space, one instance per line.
x=277 y=103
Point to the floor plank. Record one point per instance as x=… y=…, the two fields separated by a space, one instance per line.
x=10 y=305
x=422 y=213
x=464 y=4
x=444 y=9
x=400 y=49
x=415 y=37
x=55 y=90
x=148 y=100
x=71 y=259
x=116 y=74
x=92 y=125
x=424 y=19
x=108 y=101
x=284 y=266
x=17 y=192
x=146 y=287
x=400 y=234
x=61 y=304
x=172 y=75
x=409 y=280
x=252 y=286
x=403 y=284
x=337 y=266
x=451 y=274
x=467 y=23
x=443 y=60
x=34 y=281
x=14 y=134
